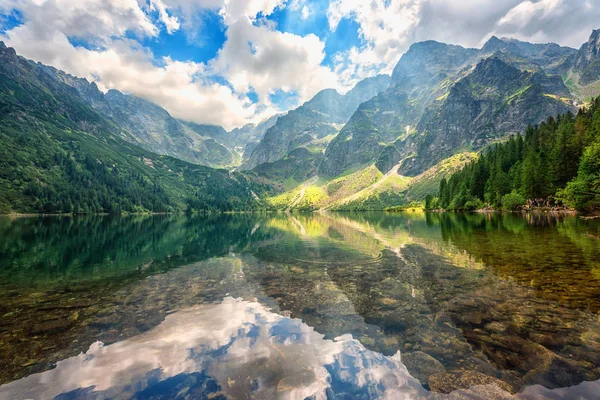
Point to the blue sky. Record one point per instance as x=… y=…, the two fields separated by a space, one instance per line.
x=231 y=62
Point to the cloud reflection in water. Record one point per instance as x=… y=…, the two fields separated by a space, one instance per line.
x=238 y=349
x=242 y=345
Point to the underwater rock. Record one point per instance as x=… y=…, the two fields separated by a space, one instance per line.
x=556 y=372
x=422 y=365
x=450 y=381
x=496 y=327
x=51 y=326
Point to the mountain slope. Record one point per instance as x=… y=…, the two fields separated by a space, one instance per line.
x=587 y=60
x=421 y=76
x=439 y=104
x=494 y=101
x=157 y=131
x=315 y=121
x=581 y=72
x=152 y=127
x=443 y=105
x=245 y=139
x=59 y=154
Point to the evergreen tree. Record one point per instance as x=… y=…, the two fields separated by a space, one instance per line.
x=560 y=152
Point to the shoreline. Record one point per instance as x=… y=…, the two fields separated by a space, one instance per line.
x=592 y=216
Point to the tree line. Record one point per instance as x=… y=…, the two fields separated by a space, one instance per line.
x=556 y=162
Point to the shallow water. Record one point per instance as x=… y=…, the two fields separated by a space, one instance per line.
x=345 y=305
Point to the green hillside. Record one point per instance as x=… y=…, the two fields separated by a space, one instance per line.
x=60 y=155
x=558 y=159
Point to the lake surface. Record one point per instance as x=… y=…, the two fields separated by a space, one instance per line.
x=320 y=306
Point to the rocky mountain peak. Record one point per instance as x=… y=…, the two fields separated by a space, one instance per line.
x=430 y=58
x=491 y=69
x=7 y=50
x=493 y=45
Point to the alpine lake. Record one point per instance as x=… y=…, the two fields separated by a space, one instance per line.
x=295 y=306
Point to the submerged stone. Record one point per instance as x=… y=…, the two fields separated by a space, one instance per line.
x=422 y=365
x=451 y=381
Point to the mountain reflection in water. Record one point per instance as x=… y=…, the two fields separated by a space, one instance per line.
x=366 y=305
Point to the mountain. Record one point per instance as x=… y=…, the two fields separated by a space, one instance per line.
x=313 y=124
x=245 y=139
x=549 y=56
x=581 y=72
x=557 y=159
x=152 y=127
x=444 y=104
x=425 y=64
x=587 y=60
x=444 y=99
x=387 y=142
x=60 y=154
x=423 y=74
x=494 y=101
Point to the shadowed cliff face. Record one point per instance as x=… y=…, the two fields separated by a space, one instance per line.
x=432 y=303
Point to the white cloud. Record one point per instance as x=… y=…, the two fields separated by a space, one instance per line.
x=465 y=22
x=256 y=57
x=183 y=88
x=306 y=12
x=230 y=10
x=171 y=22
x=385 y=26
x=233 y=10
x=388 y=27
x=568 y=22
x=187 y=90
x=88 y=19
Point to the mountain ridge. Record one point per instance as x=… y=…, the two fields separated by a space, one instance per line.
x=416 y=110
x=441 y=105
x=60 y=155
x=313 y=121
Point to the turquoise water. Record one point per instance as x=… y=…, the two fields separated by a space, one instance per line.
x=344 y=305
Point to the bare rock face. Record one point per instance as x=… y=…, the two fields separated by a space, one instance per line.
x=156 y=130
x=313 y=121
x=587 y=61
x=493 y=101
x=445 y=98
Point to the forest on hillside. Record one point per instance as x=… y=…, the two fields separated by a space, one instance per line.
x=555 y=163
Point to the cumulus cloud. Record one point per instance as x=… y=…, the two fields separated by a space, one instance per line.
x=258 y=58
x=180 y=87
x=389 y=27
x=88 y=19
x=385 y=26
x=171 y=22
x=472 y=22
x=567 y=22
x=306 y=12
x=188 y=90
x=233 y=10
